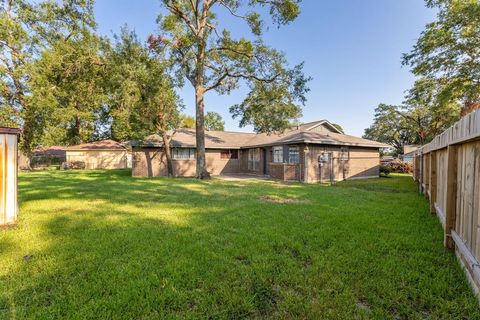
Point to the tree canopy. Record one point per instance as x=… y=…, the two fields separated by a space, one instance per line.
x=448 y=53
x=214 y=122
x=209 y=57
x=26 y=30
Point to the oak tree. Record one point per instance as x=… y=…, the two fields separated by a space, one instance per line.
x=210 y=58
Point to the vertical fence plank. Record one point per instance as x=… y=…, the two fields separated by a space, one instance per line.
x=451 y=205
x=433 y=181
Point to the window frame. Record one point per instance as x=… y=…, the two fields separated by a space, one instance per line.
x=296 y=153
x=191 y=154
x=253 y=158
x=229 y=154
x=344 y=150
x=277 y=152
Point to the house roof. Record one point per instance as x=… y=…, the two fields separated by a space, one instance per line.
x=304 y=133
x=52 y=151
x=213 y=139
x=98 y=145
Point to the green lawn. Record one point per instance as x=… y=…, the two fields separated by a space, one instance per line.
x=100 y=244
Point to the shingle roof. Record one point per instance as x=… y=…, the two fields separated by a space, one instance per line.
x=303 y=136
x=52 y=151
x=98 y=145
x=231 y=140
x=213 y=139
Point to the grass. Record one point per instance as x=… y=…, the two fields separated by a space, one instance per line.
x=103 y=245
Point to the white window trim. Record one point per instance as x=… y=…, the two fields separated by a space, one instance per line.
x=277 y=158
x=297 y=154
x=191 y=155
x=343 y=151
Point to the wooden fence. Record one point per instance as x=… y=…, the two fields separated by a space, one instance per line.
x=448 y=174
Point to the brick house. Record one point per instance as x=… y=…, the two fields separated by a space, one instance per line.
x=311 y=152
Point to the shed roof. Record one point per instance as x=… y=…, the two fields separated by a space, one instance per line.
x=98 y=145
x=8 y=130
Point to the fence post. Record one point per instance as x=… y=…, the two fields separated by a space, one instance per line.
x=433 y=181
x=451 y=206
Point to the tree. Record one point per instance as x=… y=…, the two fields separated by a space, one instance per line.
x=391 y=127
x=70 y=78
x=418 y=121
x=143 y=100
x=338 y=127
x=26 y=29
x=214 y=122
x=448 y=52
x=210 y=59
x=187 y=121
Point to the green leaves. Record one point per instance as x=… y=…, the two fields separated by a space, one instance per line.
x=211 y=59
x=142 y=99
x=272 y=105
x=448 y=52
x=214 y=122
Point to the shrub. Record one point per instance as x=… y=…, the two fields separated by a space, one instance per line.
x=73 y=165
x=399 y=166
x=385 y=170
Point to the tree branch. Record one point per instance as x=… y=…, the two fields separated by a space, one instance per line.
x=227 y=74
x=175 y=10
x=232 y=12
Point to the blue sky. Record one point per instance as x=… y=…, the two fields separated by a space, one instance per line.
x=351 y=48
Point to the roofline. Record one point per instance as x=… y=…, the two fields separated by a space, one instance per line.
x=9 y=130
x=97 y=149
x=319 y=123
x=184 y=146
x=323 y=142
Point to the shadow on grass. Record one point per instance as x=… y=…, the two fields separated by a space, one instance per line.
x=105 y=245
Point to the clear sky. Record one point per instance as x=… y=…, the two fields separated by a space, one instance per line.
x=351 y=48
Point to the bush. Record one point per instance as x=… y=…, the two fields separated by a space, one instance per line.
x=385 y=170
x=73 y=165
x=399 y=166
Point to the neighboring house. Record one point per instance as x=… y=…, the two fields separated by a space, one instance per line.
x=409 y=152
x=105 y=154
x=310 y=152
x=43 y=156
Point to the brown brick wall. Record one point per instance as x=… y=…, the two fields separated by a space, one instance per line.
x=363 y=163
x=276 y=170
x=151 y=162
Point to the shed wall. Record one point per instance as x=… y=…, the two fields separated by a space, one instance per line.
x=100 y=159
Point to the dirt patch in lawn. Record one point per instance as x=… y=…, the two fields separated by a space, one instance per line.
x=276 y=199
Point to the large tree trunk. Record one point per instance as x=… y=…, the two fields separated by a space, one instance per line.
x=168 y=154
x=201 y=171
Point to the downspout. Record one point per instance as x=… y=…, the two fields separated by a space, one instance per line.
x=306 y=154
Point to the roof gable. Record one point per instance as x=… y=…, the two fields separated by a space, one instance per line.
x=321 y=126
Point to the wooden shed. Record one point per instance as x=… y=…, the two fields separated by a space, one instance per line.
x=8 y=175
x=104 y=154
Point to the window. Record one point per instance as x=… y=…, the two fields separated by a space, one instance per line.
x=278 y=154
x=344 y=154
x=253 y=158
x=229 y=154
x=183 y=154
x=293 y=154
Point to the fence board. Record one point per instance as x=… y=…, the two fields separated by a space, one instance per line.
x=448 y=170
